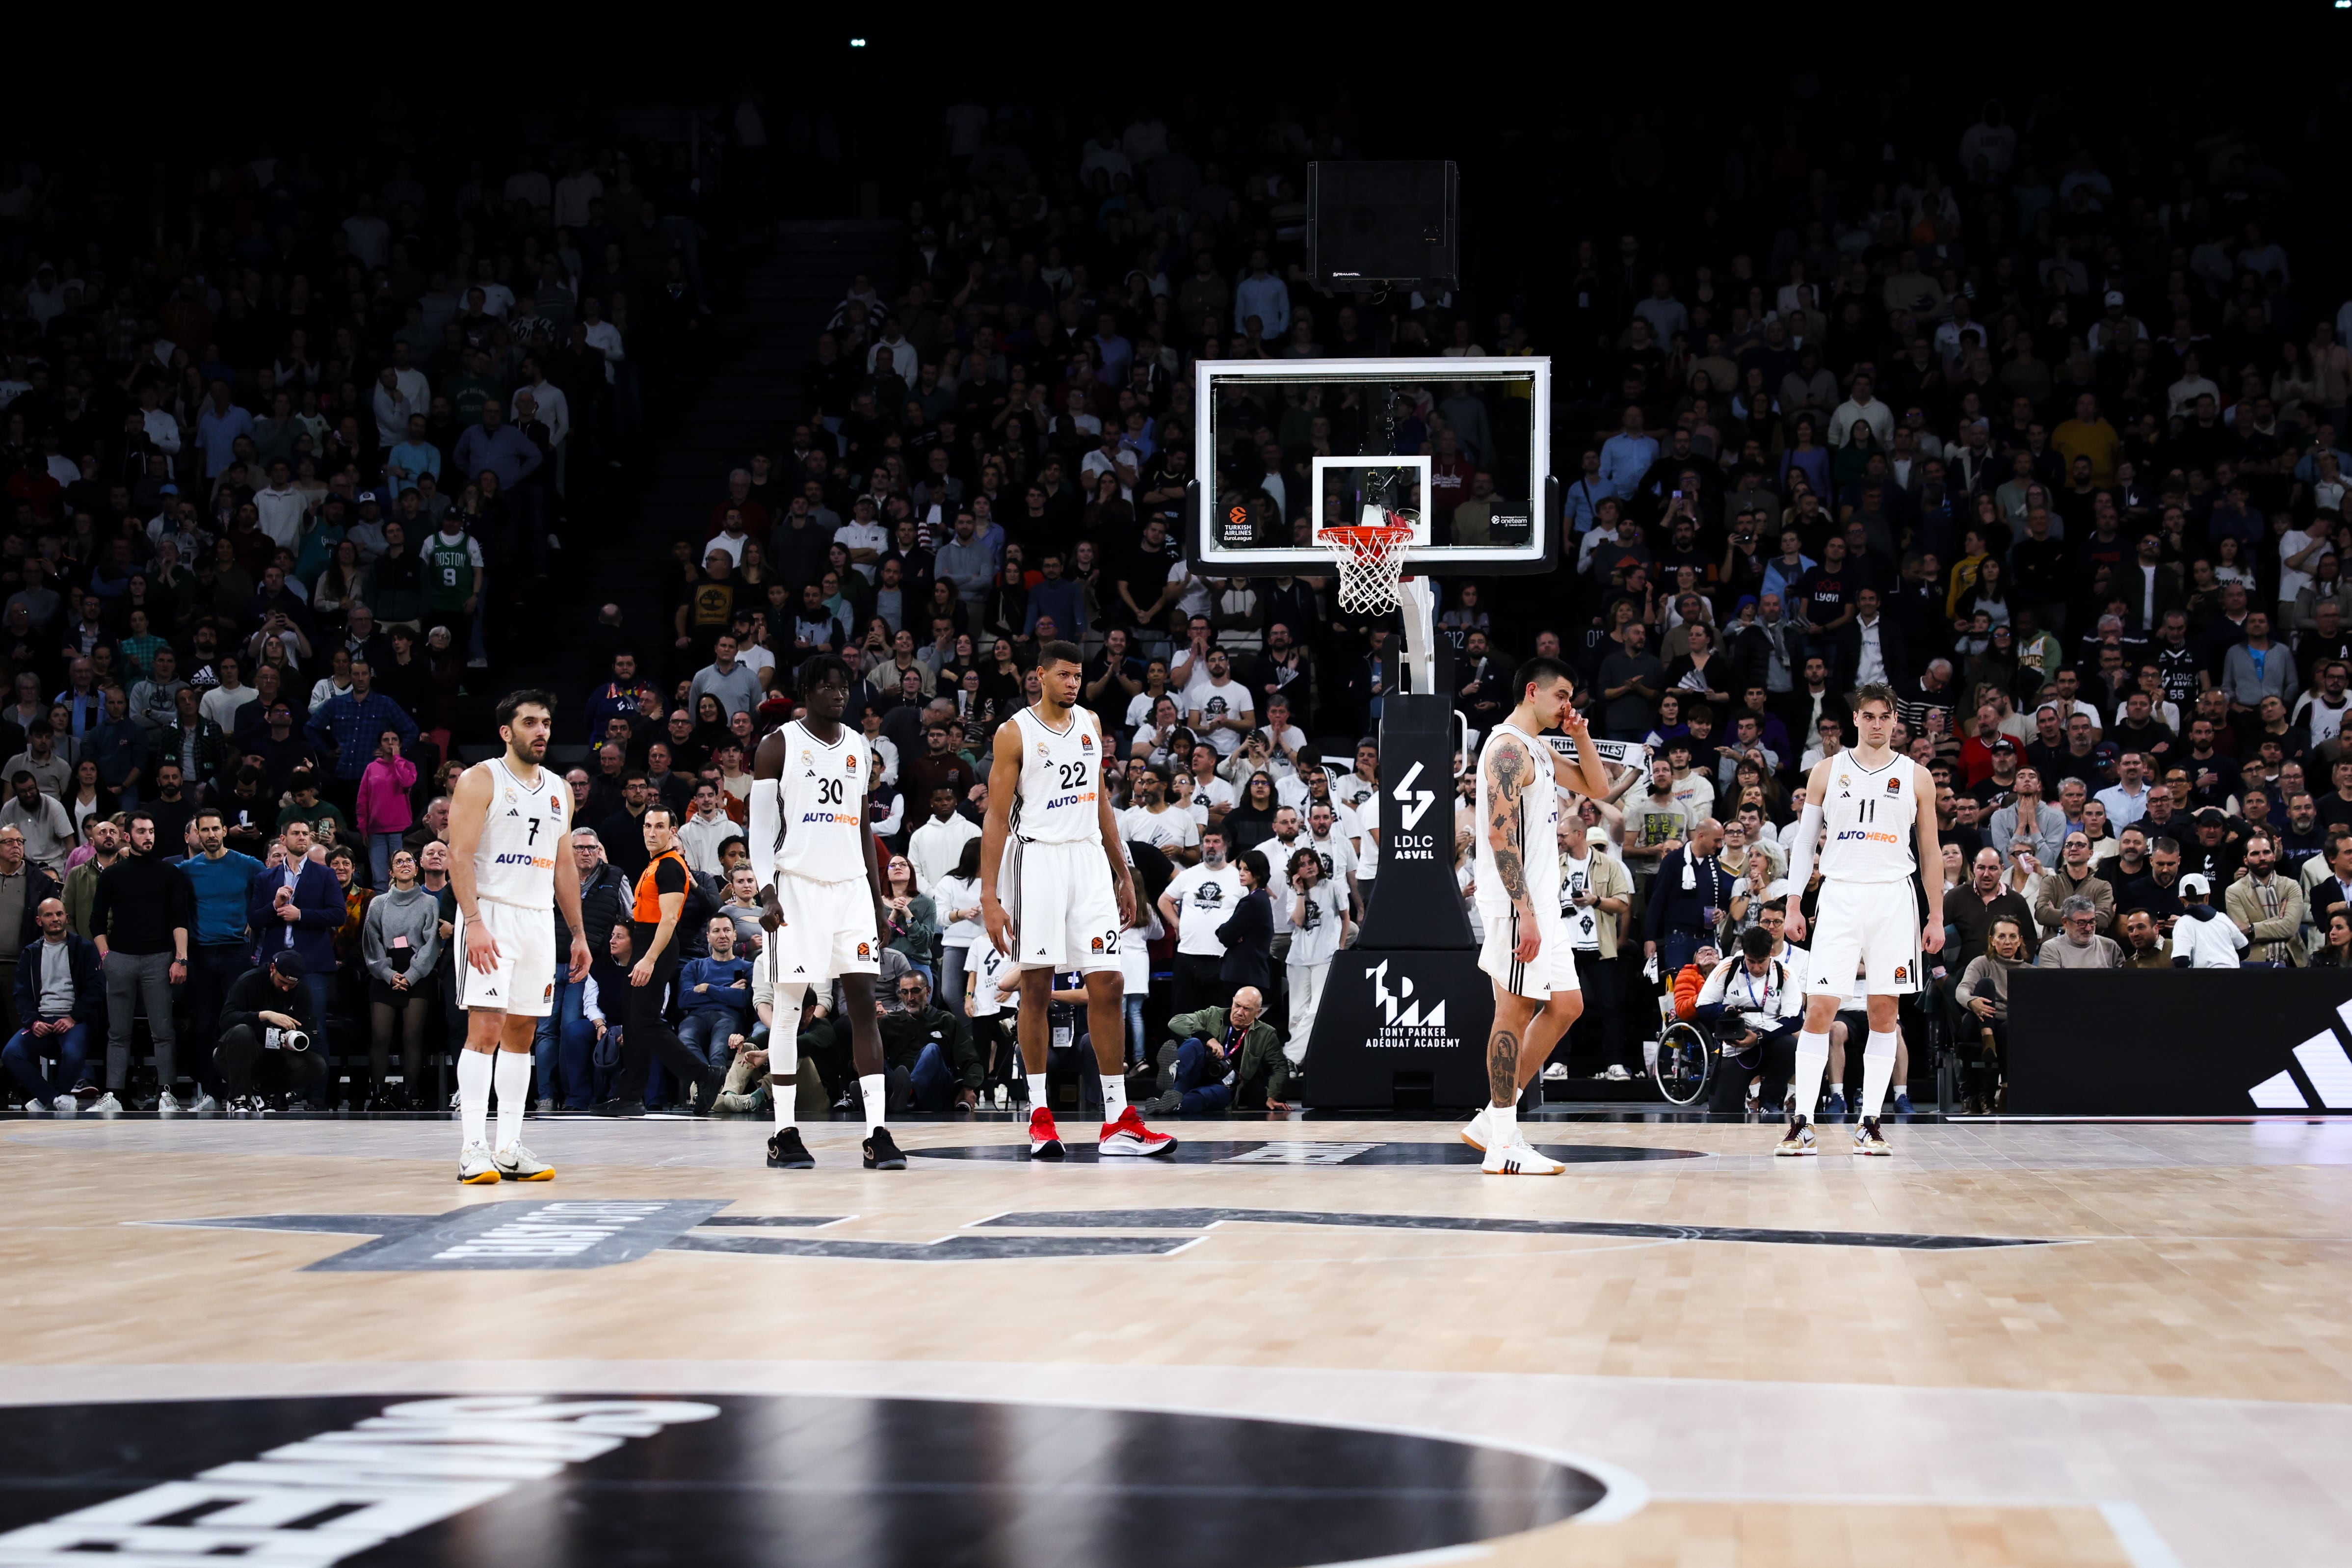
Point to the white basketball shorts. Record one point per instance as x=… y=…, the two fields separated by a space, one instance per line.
x=524 y=980
x=828 y=931
x=1553 y=968
x=1064 y=907
x=1873 y=926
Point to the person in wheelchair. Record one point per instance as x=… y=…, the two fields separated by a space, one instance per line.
x=1754 y=1005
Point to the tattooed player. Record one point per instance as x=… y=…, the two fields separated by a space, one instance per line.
x=1526 y=951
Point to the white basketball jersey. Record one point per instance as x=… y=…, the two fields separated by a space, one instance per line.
x=1061 y=779
x=1538 y=844
x=822 y=796
x=525 y=829
x=1869 y=817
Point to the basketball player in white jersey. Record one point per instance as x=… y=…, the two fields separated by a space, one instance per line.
x=822 y=893
x=511 y=869
x=1528 y=952
x=1056 y=891
x=1864 y=806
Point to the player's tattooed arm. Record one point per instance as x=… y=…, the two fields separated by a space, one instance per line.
x=1508 y=773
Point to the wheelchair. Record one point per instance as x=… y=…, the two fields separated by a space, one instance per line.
x=1682 y=1062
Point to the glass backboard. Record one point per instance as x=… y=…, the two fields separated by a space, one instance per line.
x=1460 y=448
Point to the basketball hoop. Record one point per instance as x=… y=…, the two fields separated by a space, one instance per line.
x=1371 y=561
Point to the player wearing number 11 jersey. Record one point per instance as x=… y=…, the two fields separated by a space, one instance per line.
x=1056 y=891
x=1872 y=811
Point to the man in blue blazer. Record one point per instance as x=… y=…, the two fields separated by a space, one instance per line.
x=296 y=906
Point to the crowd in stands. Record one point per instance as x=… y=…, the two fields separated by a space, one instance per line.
x=2035 y=425
x=292 y=441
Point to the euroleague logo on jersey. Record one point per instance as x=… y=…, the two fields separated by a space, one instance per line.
x=1086 y=743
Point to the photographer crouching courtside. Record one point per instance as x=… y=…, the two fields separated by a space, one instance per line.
x=269 y=1009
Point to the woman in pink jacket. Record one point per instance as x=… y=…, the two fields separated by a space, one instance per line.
x=385 y=815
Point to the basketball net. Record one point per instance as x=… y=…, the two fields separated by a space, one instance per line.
x=1371 y=561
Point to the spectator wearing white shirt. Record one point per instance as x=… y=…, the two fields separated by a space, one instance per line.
x=935 y=846
x=1155 y=820
x=1332 y=846
x=2203 y=937
x=602 y=336
x=1861 y=407
x=1219 y=706
x=1198 y=901
x=862 y=537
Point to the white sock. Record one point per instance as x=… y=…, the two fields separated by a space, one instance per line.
x=511 y=1071
x=1502 y=1125
x=473 y=1095
x=784 y=1052
x=1114 y=1093
x=1877 y=1068
x=873 y=1088
x=1037 y=1093
x=1812 y=1062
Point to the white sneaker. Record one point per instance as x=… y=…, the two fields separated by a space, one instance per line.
x=1003 y=1099
x=1516 y=1159
x=1617 y=1073
x=167 y=1106
x=1474 y=1135
x=37 y=1107
x=476 y=1168
x=517 y=1164
x=106 y=1105
x=65 y=1105
x=203 y=1104
x=1556 y=1073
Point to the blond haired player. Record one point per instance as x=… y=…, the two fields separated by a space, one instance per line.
x=1864 y=805
x=510 y=868
x=1528 y=953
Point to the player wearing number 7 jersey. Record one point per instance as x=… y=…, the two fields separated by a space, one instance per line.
x=511 y=868
x=1865 y=806
x=1056 y=891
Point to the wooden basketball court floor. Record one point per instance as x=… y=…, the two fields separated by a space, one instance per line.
x=2015 y=1342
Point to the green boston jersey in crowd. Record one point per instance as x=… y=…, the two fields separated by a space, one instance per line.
x=449 y=566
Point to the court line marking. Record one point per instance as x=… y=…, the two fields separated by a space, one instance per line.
x=1210 y=1219
x=2138 y=1535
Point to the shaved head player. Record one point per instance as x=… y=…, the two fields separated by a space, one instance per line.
x=1528 y=953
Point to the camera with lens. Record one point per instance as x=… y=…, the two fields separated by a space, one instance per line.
x=277 y=1039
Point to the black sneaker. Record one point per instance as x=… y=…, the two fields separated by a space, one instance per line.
x=882 y=1152
x=787 y=1152
x=616 y=1108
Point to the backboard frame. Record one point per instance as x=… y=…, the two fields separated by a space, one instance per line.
x=1212 y=558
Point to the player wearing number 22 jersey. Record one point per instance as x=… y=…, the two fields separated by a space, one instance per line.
x=1055 y=892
